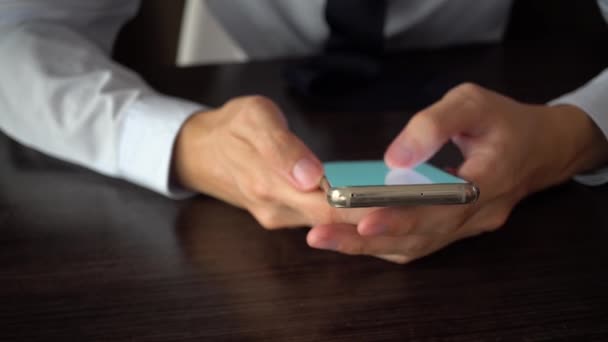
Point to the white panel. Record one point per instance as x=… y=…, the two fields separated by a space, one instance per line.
x=203 y=40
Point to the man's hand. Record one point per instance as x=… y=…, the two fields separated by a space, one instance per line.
x=510 y=150
x=244 y=154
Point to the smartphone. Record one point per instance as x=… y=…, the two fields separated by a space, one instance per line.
x=370 y=183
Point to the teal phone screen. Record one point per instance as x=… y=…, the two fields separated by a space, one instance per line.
x=375 y=172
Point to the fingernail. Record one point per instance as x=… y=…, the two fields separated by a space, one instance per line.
x=373 y=230
x=399 y=154
x=327 y=244
x=306 y=173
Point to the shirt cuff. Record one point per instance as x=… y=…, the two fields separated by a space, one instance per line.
x=148 y=132
x=595 y=178
x=592 y=98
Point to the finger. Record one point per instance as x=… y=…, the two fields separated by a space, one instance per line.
x=458 y=112
x=277 y=204
x=432 y=247
x=388 y=221
x=263 y=191
x=286 y=154
x=401 y=221
x=315 y=207
x=344 y=238
x=276 y=217
x=261 y=196
x=262 y=124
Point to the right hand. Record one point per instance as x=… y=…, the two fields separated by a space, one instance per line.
x=510 y=149
x=244 y=154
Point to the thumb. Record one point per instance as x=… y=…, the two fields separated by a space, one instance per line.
x=288 y=155
x=265 y=127
x=307 y=170
x=456 y=113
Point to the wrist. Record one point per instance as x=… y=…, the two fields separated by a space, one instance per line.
x=580 y=144
x=184 y=167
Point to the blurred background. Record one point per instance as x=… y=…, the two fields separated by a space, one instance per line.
x=175 y=32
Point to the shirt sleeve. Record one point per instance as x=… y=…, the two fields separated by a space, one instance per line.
x=60 y=92
x=592 y=98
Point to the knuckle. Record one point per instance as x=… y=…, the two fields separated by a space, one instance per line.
x=470 y=94
x=268 y=218
x=233 y=102
x=255 y=111
x=241 y=118
x=469 y=86
x=430 y=124
x=261 y=192
x=258 y=101
x=468 y=89
x=261 y=107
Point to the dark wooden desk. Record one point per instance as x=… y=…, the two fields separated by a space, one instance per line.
x=84 y=257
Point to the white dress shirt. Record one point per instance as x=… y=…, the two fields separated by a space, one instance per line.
x=60 y=92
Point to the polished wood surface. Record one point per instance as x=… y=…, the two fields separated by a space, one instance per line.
x=88 y=258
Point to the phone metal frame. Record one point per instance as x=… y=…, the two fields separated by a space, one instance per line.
x=397 y=195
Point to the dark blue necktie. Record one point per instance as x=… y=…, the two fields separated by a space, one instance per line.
x=350 y=58
x=355 y=26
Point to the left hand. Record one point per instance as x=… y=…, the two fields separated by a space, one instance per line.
x=510 y=150
x=244 y=153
